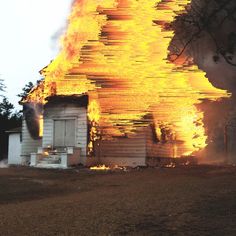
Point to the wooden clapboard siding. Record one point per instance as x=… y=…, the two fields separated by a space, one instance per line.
x=157 y=149
x=137 y=147
x=47 y=131
x=129 y=151
x=82 y=132
x=66 y=111
x=29 y=145
x=134 y=150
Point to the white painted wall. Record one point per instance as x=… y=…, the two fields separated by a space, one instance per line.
x=123 y=151
x=14 y=149
x=66 y=111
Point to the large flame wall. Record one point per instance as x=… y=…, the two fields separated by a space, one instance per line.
x=116 y=50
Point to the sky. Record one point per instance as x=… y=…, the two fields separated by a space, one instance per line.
x=29 y=40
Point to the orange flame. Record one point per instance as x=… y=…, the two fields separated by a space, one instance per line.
x=94 y=117
x=117 y=50
x=40 y=126
x=94 y=111
x=101 y=167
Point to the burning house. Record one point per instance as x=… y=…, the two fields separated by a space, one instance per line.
x=60 y=134
x=111 y=96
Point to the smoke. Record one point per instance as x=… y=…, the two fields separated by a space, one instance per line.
x=55 y=39
x=217 y=33
x=32 y=112
x=3 y=164
x=57 y=36
x=222 y=75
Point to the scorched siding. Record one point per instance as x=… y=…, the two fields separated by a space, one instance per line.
x=157 y=149
x=29 y=145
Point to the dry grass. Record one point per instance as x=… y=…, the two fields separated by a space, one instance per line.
x=182 y=201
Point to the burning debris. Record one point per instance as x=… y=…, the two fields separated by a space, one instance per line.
x=171 y=165
x=173 y=162
x=111 y=168
x=100 y=167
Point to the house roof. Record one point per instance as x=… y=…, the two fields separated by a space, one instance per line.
x=15 y=130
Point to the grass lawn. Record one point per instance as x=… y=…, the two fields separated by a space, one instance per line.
x=198 y=200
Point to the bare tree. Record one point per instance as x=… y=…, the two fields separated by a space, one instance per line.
x=215 y=19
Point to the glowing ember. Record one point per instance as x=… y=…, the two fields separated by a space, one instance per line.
x=101 y=167
x=171 y=165
x=187 y=163
x=116 y=167
x=115 y=51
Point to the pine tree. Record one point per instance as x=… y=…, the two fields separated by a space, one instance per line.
x=6 y=108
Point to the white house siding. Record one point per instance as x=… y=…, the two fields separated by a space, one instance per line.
x=123 y=151
x=29 y=145
x=66 y=111
x=14 y=149
x=133 y=151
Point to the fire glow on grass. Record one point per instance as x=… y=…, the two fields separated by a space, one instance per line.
x=116 y=50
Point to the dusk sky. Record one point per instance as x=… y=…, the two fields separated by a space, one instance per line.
x=29 y=40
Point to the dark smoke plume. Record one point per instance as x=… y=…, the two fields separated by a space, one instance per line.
x=206 y=36
x=32 y=114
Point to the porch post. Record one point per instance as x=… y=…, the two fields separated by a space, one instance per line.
x=64 y=162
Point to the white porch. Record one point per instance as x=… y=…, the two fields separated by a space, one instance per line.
x=62 y=159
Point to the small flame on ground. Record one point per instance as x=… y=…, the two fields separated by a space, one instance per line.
x=187 y=163
x=100 y=167
x=116 y=167
x=104 y=167
x=171 y=165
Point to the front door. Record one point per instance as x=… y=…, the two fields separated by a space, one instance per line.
x=64 y=133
